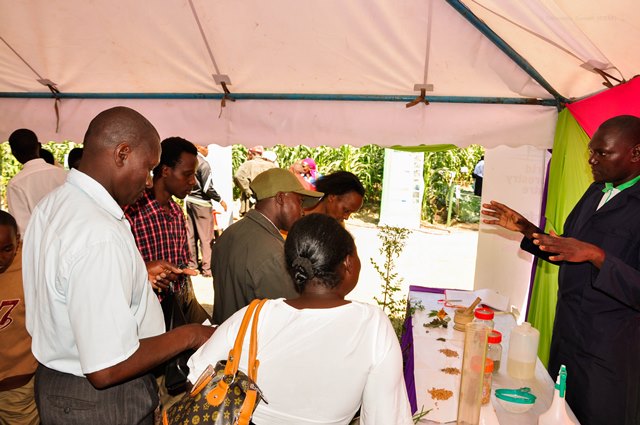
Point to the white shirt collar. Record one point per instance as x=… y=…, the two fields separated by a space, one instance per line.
x=96 y=191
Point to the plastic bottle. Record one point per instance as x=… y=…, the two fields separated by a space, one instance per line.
x=557 y=413
x=484 y=315
x=523 y=351
x=494 y=349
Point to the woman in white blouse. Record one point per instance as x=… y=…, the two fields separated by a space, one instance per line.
x=321 y=357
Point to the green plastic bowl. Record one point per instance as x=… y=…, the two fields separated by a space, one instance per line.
x=516 y=400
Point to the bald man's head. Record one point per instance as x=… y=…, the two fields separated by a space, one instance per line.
x=116 y=125
x=121 y=147
x=626 y=128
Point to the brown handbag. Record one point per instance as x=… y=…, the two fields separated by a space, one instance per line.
x=223 y=395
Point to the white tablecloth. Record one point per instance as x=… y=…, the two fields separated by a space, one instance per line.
x=428 y=361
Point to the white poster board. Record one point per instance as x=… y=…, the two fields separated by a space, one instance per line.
x=402 y=189
x=514 y=177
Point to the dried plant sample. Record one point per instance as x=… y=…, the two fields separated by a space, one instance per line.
x=440 y=393
x=449 y=353
x=451 y=370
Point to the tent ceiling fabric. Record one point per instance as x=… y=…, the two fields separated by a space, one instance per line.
x=558 y=36
x=335 y=123
x=359 y=47
x=281 y=46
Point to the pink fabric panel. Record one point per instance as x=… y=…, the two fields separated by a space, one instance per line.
x=619 y=100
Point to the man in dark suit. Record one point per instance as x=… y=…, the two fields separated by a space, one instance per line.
x=596 y=332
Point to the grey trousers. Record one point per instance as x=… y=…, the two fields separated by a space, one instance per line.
x=68 y=400
x=199 y=228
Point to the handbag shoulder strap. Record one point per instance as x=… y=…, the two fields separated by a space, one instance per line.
x=252 y=370
x=233 y=361
x=218 y=393
x=253 y=392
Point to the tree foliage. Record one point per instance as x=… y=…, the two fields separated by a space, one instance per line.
x=366 y=162
x=441 y=170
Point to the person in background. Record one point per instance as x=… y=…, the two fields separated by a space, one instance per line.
x=298 y=170
x=335 y=355
x=596 y=333
x=478 y=176
x=34 y=181
x=271 y=156
x=199 y=213
x=97 y=328
x=248 y=258
x=343 y=195
x=74 y=157
x=309 y=172
x=47 y=156
x=245 y=174
x=158 y=224
x=17 y=364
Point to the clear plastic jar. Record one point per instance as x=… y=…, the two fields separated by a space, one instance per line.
x=494 y=349
x=486 y=380
x=523 y=351
x=485 y=316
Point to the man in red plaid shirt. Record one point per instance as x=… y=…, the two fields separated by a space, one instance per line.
x=158 y=223
x=159 y=228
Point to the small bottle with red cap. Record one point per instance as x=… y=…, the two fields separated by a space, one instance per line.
x=494 y=349
x=485 y=316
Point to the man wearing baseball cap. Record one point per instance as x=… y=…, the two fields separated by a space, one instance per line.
x=248 y=259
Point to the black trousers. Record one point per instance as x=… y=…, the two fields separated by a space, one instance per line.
x=66 y=399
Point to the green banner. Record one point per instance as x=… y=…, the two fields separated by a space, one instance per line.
x=424 y=148
x=569 y=177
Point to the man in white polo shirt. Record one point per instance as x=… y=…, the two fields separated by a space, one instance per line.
x=34 y=181
x=97 y=327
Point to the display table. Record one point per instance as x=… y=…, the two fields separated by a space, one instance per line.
x=429 y=352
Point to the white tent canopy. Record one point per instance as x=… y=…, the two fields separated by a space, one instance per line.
x=161 y=58
x=327 y=72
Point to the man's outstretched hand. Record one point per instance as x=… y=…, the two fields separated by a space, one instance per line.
x=507 y=218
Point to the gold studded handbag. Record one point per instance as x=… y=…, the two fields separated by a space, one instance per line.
x=223 y=395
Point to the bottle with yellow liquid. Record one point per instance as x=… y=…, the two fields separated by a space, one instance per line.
x=523 y=351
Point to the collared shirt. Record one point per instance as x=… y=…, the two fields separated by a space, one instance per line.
x=607 y=196
x=479 y=168
x=159 y=234
x=87 y=294
x=29 y=186
x=610 y=190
